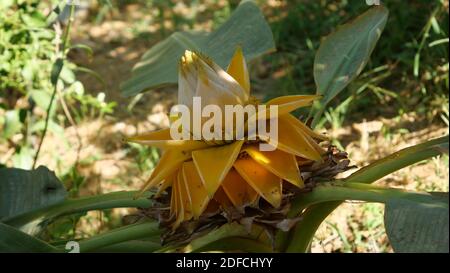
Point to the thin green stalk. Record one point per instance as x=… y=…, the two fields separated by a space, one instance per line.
x=47 y=119
x=66 y=37
x=120 y=235
x=65 y=43
x=425 y=36
x=319 y=107
x=399 y=160
x=71 y=206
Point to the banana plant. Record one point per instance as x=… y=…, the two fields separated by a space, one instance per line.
x=229 y=195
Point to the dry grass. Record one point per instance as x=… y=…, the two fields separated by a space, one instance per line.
x=359 y=227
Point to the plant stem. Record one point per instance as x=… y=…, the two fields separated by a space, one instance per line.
x=316 y=112
x=71 y=206
x=226 y=231
x=119 y=235
x=299 y=239
x=347 y=191
x=65 y=42
x=399 y=160
x=354 y=191
x=47 y=119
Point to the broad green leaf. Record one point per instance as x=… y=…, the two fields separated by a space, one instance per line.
x=159 y=66
x=343 y=54
x=16 y=241
x=418 y=227
x=23 y=191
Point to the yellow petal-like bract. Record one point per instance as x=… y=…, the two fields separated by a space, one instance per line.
x=264 y=182
x=214 y=163
x=205 y=175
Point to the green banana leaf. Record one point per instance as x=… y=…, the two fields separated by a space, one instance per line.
x=159 y=66
x=414 y=227
x=344 y=53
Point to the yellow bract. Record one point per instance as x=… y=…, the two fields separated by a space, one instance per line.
x=214 y=163
x=207 y=175
x=162 y=139
x=197 y=192
x=282 y=164
x=240 y=193
x=267 y=184
x=238 y=70
x=170 y=161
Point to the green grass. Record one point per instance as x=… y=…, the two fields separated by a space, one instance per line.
x=408 y=70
